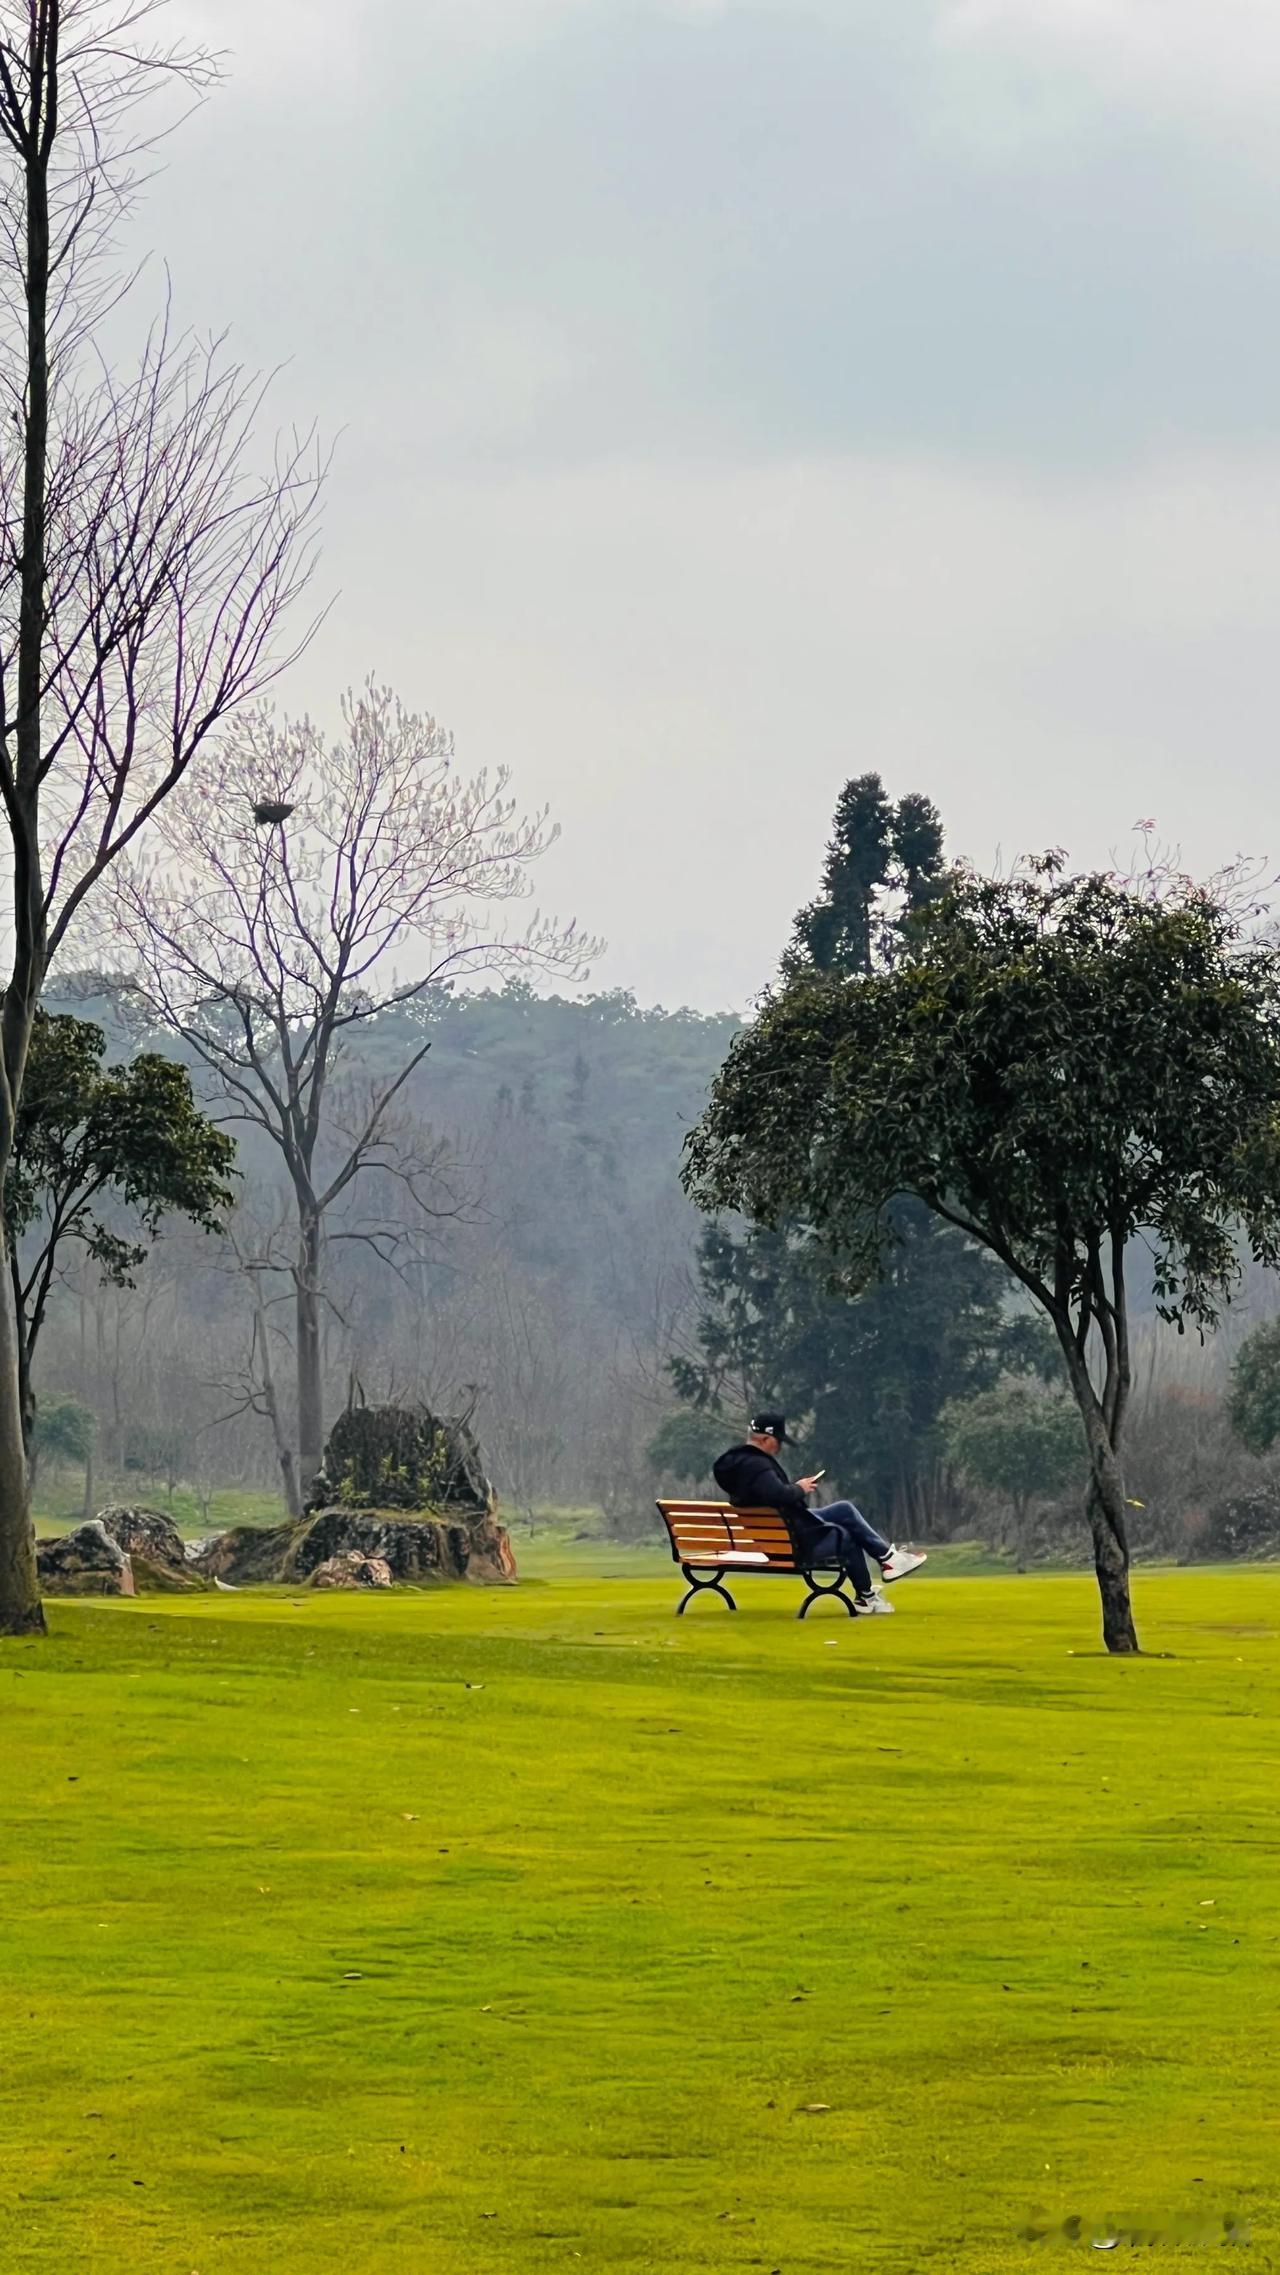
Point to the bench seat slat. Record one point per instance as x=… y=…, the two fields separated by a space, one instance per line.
x=696 y=1548
x=742 y=1536
x=759 y=1557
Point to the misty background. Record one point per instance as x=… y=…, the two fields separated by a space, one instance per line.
x=726 y=399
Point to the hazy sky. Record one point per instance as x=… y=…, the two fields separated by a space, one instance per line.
x=733 y=395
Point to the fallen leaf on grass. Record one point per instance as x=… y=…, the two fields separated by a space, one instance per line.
x=814 y=2108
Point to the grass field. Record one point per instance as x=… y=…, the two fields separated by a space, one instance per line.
x=480 y=1932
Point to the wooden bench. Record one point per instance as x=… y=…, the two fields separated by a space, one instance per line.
x=710 y=1538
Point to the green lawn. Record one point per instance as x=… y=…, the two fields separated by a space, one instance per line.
x=481 y=1932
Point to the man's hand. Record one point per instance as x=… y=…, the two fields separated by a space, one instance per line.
x=806 y=1484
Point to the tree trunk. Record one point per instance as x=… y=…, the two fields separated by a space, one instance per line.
x=1104 y=1503
x=20 y=1612
x=289 y=1481
x=310 y=1388
x=89 y=1494
x=1104 y=1507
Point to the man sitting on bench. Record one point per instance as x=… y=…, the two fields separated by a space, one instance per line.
x=752 y=1477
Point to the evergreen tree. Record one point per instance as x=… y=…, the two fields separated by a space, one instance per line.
x=884 y=862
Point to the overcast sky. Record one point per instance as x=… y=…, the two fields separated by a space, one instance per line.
x=734 y=395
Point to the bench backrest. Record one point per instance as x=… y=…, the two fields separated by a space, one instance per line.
x=705 y=1531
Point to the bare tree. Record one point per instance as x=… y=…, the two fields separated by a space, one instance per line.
x=143 y=567
x=297 y=870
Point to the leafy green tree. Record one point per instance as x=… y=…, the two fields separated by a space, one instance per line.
x=1253 y=1401
x=685 y=1446
x=65 y=1431
x=1017 y=1441
x=865 y=1372
x=102 y=1154
x=1060 y=1066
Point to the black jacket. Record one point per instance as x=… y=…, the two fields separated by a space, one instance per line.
x=753 y=1479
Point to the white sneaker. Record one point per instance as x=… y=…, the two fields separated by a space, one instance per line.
x=869 y=1607
x=900 y=1561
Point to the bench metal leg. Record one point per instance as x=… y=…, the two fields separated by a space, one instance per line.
x=702 y=1587
x=820 y=1588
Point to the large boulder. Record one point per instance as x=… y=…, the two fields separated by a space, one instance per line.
x=156 y=1550
x=416 y=1550
x=86 y=1562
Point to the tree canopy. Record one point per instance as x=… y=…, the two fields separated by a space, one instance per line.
x=65 y=1430
x=102 y=1154
x=1059 y=1066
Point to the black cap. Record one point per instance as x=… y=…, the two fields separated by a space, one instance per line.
x=770 y=1425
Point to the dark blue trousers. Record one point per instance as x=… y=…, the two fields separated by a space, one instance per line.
x=849 y=1537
